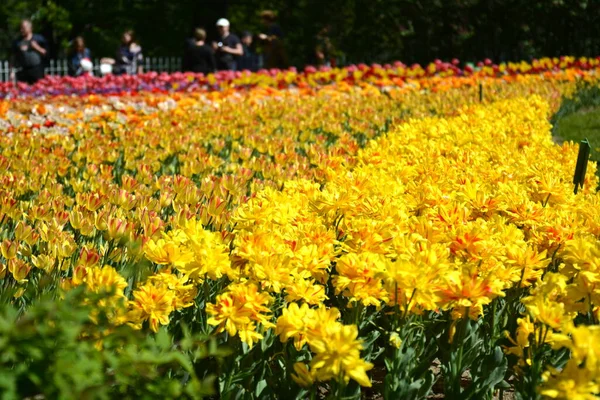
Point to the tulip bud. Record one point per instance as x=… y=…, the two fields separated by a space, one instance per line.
x=55 y=188
x=75 y=218
x=129 y=183
x=127 y=200
x=116 y=228
x=115 y=254
x=100 y=220
x=182 y=216
x=204 y=216
x=87 y=229
x=88 y=258
x=25 y=250
x=106 y=171
x=4 y=162
x=165 y=198
x=191 y=195
x=23 y=232
x=39 y=213
x=79 y=274
x=180 y=183
x=63 y=168
x=61 y=218
x=67 y=248
x=19 y=269
x=44 y=262
x=216 y=206
x=8 y=204
x=9 y=249
x=152 y=227
x=44 y=231
x=95 y=201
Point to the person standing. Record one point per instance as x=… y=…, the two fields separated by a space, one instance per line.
x=129 y=55
x=275 y=55
x=190 y=40
x=249 y=60
x=80 y=58
x=324 y=51
x=28 y=54
x=199 y=57
x=228 y=48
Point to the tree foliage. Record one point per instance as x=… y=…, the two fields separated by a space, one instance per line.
x=361 y=30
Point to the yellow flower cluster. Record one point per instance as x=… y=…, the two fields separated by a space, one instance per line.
x=445 y=214
x=194 y=251
x=336 y=346
x=239 y=309
x=438 y=210
x=580 y=377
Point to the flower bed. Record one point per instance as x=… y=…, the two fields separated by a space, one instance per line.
x=339 y=240
x=396 y=74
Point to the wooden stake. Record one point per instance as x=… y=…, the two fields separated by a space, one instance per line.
x=581 y=166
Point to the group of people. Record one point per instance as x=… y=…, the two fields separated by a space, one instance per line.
x=230 y=52
x=227 y=52
x=128 y=59
x=30 y=49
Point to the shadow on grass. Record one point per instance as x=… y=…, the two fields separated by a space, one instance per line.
x=579 y=118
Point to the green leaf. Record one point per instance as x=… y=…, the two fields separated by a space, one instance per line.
x=260 y=386
x=487 y=374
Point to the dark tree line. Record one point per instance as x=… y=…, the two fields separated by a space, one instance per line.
x=360 y=30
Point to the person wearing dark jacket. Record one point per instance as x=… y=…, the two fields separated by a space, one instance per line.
x=272 y=40
x=28 y=53
x=129 y=58
x=79 y=58
x=323 y=51
x=228 y=49
x=199 y=57
x=249 y=59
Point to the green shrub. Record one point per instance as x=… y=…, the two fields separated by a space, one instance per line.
x=53 y=351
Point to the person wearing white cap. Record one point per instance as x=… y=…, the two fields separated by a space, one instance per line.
x=228 y=48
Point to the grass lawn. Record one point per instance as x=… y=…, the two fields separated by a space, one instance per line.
x=579 y=118
x=579 y=125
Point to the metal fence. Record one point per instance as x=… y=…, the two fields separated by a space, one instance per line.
x=61 y=68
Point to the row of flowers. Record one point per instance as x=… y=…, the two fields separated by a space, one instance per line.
x=328 y=236
x=395 y=74
x=60 y=115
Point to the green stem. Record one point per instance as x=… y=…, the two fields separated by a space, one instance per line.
x=459 y=365
x=340 y=387
x=109 y=249
x=412 y=296
x=206 y=289
x=545 y=336
x=591 y=311
x=522 y=276
x=494 y=303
